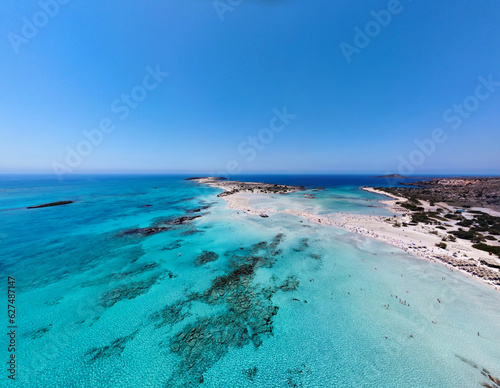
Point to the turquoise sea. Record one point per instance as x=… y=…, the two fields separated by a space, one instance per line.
x=150 y=281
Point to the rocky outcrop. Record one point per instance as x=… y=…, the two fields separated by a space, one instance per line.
x=159 y=226
x=234 y=187
x=60 y=203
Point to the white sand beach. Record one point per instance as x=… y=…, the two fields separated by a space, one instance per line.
x=419 y=240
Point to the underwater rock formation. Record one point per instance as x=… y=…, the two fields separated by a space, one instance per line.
x=128 y=291
x=303 y=245
x=206 y=257
x=291 y=283
x=197 y=210
x=246 y=316
x=251 y=373
x=296 y=376
x=115 y=348
x=174 y=245
x=122 y=275
x=242 y=314
x=493 y=382
x=170 y=315
x=40 y=332
x=159 y=226
x=144 y=232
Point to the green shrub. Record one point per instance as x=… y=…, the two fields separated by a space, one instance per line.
x=465 y=223
x=464 y=234
x=420 y=217
x=496 y=232
x=487 y=248
x=412 y=207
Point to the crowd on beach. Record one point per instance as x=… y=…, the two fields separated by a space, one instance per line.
x=425 y=250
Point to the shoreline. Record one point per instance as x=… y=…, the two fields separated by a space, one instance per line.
x=419 y=240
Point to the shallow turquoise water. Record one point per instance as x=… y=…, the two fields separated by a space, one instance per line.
x=286 y=303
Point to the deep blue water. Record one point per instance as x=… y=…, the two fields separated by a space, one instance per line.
x=319 y=180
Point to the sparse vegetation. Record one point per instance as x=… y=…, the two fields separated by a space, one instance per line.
x=463 y=234
x=465 y=223
x=488 y=248
x=459 y=192
x=411 y=206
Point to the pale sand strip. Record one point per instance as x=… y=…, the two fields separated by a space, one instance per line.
x=417 y=240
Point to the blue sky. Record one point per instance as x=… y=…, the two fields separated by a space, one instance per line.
x=230 y=72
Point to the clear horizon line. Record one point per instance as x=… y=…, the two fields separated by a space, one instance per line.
x=192 y=173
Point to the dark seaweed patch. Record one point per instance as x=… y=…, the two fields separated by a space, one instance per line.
x=122 y=275
x=159 y=225
x=264 y=253
x=291 y=283
x=182 y=220
x=303 y=245
x=191 y=231
x=79 y=253
x=128 y=291
x=40 y=332
x=296 y=376
x=197 y=210
x=493 y=382
x=251 y=373
x=206 y=257
x=114 y=349
x=170 y=315
x=54 y=301
x=174 y=245
x=246 y=317
x=274 y=244
x=144 y=232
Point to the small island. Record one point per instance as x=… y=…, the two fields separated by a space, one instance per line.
x=235 y=187
x=60 y=203
x=391 y=176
